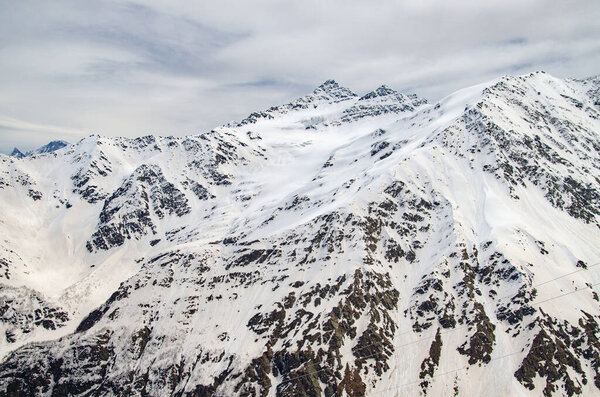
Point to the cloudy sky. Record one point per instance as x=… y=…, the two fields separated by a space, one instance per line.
x=130 y=68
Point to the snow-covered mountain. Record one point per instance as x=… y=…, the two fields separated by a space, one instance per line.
x=47 y=148
x=338 y=245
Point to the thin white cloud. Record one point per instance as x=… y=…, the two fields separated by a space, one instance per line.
x=179 y=67
x=25 y=134
x=9 y=123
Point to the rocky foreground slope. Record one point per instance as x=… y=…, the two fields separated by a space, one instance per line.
x=337 y=245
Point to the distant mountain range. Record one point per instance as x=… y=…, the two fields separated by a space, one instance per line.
x=337 y=245
x=48 y=148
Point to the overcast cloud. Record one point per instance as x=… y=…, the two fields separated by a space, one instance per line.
x=130 y=68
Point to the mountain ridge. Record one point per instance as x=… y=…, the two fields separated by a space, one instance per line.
x=47 y=148
x=305 y=254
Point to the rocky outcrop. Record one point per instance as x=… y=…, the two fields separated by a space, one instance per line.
x=129 y=211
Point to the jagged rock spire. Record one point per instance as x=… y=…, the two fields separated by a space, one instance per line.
x=17 y=153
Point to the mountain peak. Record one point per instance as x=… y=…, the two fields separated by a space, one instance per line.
x=51 y=147
x=47 y=148
x=328 y=92
x=386 y=94
x=330 y=82
x=381 y=91
x=17 y=153
x=331 y=90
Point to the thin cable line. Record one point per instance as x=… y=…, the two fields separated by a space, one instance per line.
x=565 y=294
x=455 y=370
x=568 y=274
x=507 y=296
x=441 y=333
x=452 y=330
